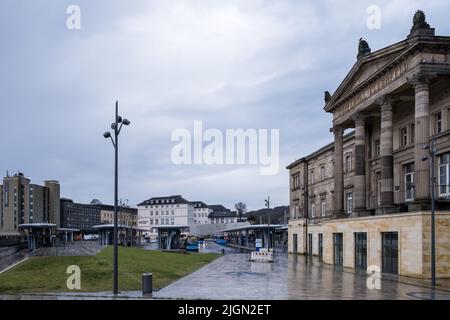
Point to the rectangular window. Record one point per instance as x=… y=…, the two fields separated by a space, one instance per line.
x=313 y=210
x=438 y=122
x=349 y=202
x=444 y=175
x=323 y=208
x=409 y=181
x=6 y=194
x=348 y=163
x=377 y=148
x=311 y=175
x=403 y=137
x=296 y=181
x=322 y=173
x=378 y=187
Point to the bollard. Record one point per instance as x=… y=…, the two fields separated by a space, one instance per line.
x=147 y=283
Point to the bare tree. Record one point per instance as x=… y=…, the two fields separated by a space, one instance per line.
x=241 y=208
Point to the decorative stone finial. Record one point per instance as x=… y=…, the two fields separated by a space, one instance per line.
x=420 y=25
x=327 y=96
x=363 y=48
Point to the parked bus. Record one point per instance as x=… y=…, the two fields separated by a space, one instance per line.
x=220 y=238
x=191 y=243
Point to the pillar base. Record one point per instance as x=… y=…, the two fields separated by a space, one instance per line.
x=386 y=209
x=420 y=205
x=362 y=213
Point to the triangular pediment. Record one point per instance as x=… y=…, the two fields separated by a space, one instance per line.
x=366 y=68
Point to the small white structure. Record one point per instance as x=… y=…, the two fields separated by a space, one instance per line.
x=263 y=255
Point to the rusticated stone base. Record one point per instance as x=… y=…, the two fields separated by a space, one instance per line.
x=414 y=240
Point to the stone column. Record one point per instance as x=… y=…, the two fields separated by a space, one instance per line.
x=422 y=137
x=338 y=170
x=359 y=181
x=386 y=153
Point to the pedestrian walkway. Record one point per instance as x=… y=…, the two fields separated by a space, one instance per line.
x=79 y=248
x=233 y=276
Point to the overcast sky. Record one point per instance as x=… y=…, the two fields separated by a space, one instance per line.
x=259 y=64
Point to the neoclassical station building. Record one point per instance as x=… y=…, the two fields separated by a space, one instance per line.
x=365 y=199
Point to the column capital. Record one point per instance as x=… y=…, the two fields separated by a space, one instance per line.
x=386 y=101
x=337 y=130
x=421 y=79
x=359 y=118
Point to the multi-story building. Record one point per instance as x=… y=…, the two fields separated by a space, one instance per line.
x=174 y=211
x=79 y=216
x=221 y=215
x=85 y=216
x=23 y=203
x=126 y=216
x=365 y=199
x=201 y=212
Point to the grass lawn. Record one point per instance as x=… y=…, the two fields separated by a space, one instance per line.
x=48 y=274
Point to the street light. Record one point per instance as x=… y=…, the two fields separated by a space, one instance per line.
x=267 y=201
x=115 y=141
x=432 y=159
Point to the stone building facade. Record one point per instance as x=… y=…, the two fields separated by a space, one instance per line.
x=365 y=198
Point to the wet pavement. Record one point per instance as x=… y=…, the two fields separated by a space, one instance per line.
x=234 y=277
x=290 y=277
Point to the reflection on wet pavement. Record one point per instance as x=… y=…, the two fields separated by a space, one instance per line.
x=233 y=276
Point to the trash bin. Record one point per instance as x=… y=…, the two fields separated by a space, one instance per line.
x=147 y=285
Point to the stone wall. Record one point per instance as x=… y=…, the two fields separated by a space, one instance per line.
x=414 y=240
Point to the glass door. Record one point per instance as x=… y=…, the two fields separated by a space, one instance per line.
x=390 y=252
x=361 y=250
x=338 y=249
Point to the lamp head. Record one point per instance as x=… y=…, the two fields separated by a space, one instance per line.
x=107 y=135
x=126 y=122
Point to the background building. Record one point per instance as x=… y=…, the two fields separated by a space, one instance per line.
x=172 y=211
x=221 y=215
x=79 y=216
x=23 y=203
x=201 y=212
x=85 y=216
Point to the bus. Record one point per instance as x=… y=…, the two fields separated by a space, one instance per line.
x=220 y=238
x=191 y=243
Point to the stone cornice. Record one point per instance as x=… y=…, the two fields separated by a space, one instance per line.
x=415 y=44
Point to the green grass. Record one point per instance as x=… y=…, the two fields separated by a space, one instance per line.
x=48 y=274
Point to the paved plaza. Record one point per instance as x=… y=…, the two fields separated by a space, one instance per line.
x=233 y=276
x=290 y=277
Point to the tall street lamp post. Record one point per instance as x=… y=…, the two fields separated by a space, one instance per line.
x=115 y=141
x=268 y=221
x=432 y=160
